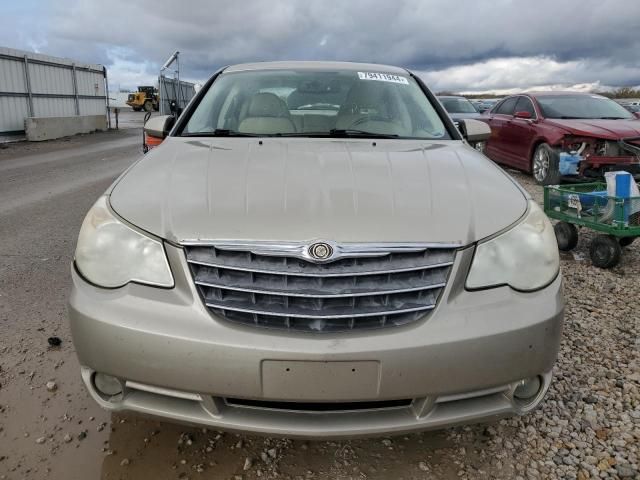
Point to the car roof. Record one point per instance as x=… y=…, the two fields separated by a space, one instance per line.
x=307 y=65
x=559 y=93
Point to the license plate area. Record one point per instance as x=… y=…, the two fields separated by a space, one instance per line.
x=320 y=381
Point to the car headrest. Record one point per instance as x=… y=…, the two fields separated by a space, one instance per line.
x=267 y=105
x=366 y=95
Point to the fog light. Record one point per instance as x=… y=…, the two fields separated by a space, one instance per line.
x=527 y=388
x=107 y=385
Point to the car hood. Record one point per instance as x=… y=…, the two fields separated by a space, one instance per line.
x=605 y=129
x=304 y=189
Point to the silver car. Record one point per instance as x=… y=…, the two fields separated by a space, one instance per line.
x=314 y=250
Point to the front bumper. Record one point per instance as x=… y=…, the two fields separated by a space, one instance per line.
x=458 y=365
x=597 y=165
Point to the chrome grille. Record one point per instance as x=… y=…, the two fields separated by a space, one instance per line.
x=378 y=289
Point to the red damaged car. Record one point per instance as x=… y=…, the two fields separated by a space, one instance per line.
x=555 y=134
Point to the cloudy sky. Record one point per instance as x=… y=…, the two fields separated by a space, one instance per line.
x=461 y=45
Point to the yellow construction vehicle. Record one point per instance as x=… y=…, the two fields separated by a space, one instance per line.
x=146 y=98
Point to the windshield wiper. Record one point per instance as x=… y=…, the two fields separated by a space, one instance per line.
x=335 y=132
x=352 y=133
x=612 y=118
x=220 y=132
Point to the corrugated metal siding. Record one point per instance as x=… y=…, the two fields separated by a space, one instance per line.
x=54 y=107
x=90 y=106
x=13 y=111
x=90 y=83
x=52 y=87
x=169 y=90
x=12 y=76
x=47 y=79
x=47 y=58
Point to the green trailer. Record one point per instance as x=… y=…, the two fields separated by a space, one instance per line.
x=589 y=205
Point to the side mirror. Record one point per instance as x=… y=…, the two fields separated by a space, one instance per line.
x=474 y=130
x=636 y=114
x=156 y=129
x=524 y=114
x=159 y=126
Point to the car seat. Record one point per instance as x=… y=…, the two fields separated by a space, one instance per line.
x=266 y=114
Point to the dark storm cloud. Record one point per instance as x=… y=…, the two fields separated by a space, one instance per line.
x=428 y=36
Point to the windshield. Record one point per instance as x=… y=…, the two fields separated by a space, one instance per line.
x=457 y=105
x=315 y=103
x=581 y=106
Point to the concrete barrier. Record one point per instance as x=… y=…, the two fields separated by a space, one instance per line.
x=38 y=129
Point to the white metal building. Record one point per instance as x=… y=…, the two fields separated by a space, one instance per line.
x=41 y=86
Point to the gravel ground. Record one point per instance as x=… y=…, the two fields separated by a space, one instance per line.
x=587 y=427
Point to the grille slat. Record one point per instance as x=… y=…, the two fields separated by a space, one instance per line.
x=225 y=259
x=284 y=312
x=350 y=293
x=327 y=274
x=319 y=293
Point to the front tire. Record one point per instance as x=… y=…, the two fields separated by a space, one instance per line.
x=566 y=236
x=545 y=165
x=148 y=106
x=605 y=251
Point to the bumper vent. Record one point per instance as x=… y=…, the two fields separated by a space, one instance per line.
x=286 y=292
x=318 y=407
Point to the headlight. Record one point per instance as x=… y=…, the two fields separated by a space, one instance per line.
x=111 y=254
x=525 y=257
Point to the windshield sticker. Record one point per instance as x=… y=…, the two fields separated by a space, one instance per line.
x=383 y=77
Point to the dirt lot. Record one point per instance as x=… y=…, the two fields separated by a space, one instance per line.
x=588 y=426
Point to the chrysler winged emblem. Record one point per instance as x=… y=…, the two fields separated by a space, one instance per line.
x=320 y=251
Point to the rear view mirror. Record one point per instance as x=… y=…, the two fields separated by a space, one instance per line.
x=474 y=130
x=523 y=114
